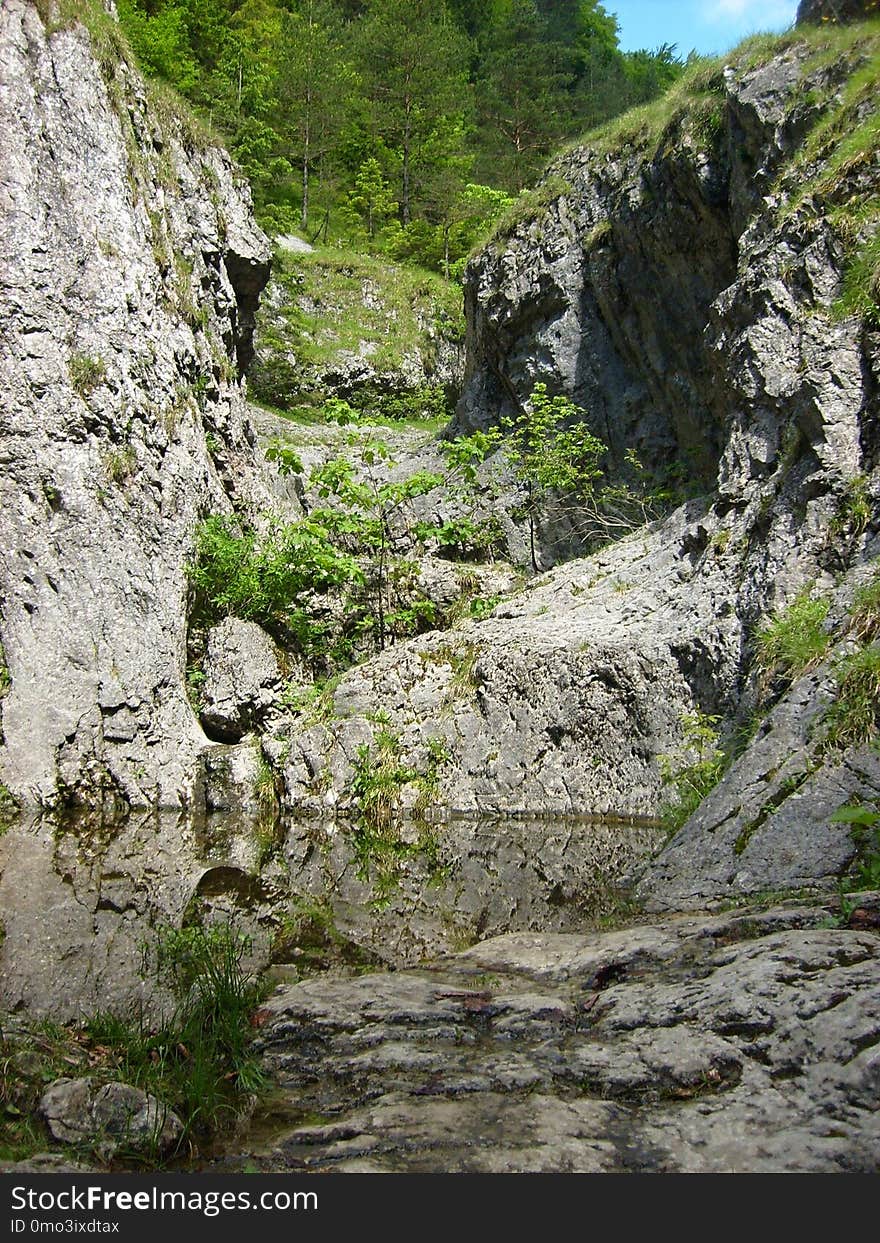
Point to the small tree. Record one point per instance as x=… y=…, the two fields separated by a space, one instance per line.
x=549 y=458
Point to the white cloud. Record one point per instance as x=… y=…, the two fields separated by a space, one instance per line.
x=756 y=14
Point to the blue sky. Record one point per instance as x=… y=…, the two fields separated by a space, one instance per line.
x=706 y=25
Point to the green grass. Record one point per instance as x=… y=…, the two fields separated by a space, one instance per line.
x=529 y=205
x=865 y=610
x=198 y=1060
x=865 y=822
x=795 y=639
x=688 y=781
x=325 y=313
x=86 y=373
x=852 y=718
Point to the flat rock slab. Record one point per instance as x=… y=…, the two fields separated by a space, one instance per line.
x=737 y=1042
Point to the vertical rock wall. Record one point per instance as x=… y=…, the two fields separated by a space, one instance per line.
x=130 y=267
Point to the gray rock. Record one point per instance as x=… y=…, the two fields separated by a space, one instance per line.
x=123 y=418
x=242 y=679
x=109 y=1117
x=745 y=1042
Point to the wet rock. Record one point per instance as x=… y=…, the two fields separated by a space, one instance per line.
x=739 y=1042
x=44 y=1163
x=242 y=679
x=109 y=1117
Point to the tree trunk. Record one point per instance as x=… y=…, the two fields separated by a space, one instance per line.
x=304 y=213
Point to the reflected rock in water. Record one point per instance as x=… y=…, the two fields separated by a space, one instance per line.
x=82 y=896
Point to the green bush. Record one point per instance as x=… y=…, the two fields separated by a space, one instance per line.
x=689 y=782
x=269 y=577
x=795 y=640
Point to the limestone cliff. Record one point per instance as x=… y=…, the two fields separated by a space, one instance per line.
x=683 y=275
x=130 y=268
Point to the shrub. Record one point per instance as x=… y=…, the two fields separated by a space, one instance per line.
x=795 y=639
x=269 y=578
x=690 y=782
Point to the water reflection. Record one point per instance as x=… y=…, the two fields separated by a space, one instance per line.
x=80 y=896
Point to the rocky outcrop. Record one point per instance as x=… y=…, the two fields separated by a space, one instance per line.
x=242 y=679
x=666 y=292
x=109 y=1116
x=836 y=10
x=131 y=267
x=734 y=1043
x=338 y=324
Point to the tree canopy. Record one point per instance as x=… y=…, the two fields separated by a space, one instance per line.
x=394 y=123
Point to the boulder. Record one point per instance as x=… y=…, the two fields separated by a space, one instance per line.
x=242 y=679
x=109 y=1117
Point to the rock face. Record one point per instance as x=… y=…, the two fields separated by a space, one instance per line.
x=728 y=1044
x=108 y=1117
x=242 y=679
x=665 y=291
x=130 y=273
x=682 y=285
x=836 y=10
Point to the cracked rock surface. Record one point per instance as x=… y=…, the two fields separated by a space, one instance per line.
x=738 y=1042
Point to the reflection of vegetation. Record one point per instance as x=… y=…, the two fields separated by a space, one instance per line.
x=197 y=1061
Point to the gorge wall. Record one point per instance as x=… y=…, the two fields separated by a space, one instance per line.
x=680 y=276
x=131 y=269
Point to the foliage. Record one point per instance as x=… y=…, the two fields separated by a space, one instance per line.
x=554 y=454
x=852 y=718
x=692 y=780
x=86 y=373
x=854 y=509
x=270 y=577
x=795 y=639
x=400 y=124
x=338 y=300
x=198 y=1059
x=865 y=610
x=865 y=821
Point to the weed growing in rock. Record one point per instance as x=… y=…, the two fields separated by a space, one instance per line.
x=86 y=373
x=689 y=782
x=854 y=508
x=865 y=611
x=852 y=718
x=120 y=464
x=795 y=640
